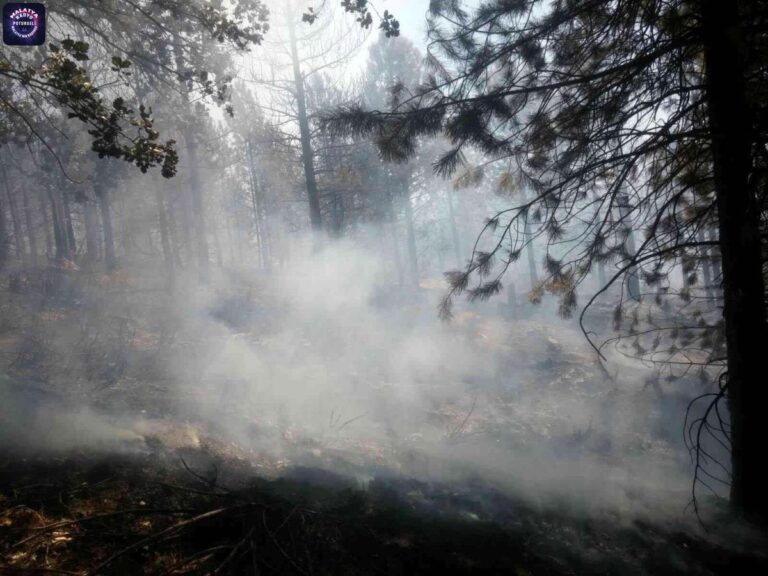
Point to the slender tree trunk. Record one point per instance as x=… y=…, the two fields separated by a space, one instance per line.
x=307 y=153
x=186 y=228
x=59 y=232
x=601 y=274
x=441 y=249
x=194 y=217
x=256 y=204
x=165 y=240
x=198 y=214
x=3 y=235
x=18 y=234
x=110 y=260
x=529 y=249
x=633 y=281
x=413 y=264
x=69 y=228
x=28 y=220
x=714 y=261
x=705 y=262
x=454 y=229
x=337 y=212
x=48 y=239
x=91 y=231
x=217 y=242
x=743 y=285
x=173 y=233
x=392 y=231
x=231 y=241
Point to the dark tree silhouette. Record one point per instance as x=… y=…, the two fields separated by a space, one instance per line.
x=639 y=126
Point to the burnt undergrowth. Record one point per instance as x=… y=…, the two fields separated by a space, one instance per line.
x=158 y=514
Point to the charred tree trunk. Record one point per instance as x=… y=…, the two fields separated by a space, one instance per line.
x=413 y=264
x=194 y=217
x=110 y=260
x=259 y=215
x=307 y=152
x=48 y=226
x=337 y=212
x=392 y=231
x=217 y=242
x=61 y=239
x=529 y=249
x=165 y=239
x=13 y=209
x=29 y=222
x=3 y=235
x=91 y=231
x=201 y=242
x=454 y=229
x=633 y=281
x=173 y=229
x=68 y=227
x=705 y=262
x=601 y=274
x=188 y=250
x=743 y=285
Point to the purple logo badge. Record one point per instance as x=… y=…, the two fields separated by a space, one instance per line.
x=23 y=24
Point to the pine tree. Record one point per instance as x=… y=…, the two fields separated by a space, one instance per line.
x=624 y=117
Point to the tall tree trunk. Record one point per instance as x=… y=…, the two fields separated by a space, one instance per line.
x=258 y=208
x=454 y=229
x=165 y=239
x=186 y=227
x=59 y=230
x=110 y=260
x=48 y=239
x=601 y=273
x=91 y=231
x=173 y=229
x=217 y=242
x=714 y=262
x=198 y=214
x=28 y=220
x=633 y=280
x=705 y=262
x=743 y=286
x=529 y=249
x=413 y=264
x=68 y=227
x=18 y=234
x=3 y=235
x=392 y=231
x=194 y=225
x=307 y=153
x=337 y=213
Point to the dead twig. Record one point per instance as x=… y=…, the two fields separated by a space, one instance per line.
x=233 y=554
x=280 y=549
x=454 y=434
x=41 y=530
x=159 y=535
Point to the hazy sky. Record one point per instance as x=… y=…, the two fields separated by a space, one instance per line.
x=411 y=14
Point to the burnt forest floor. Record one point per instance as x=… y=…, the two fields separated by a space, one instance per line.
x=156 y=514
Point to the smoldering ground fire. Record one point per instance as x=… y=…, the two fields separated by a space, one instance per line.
x=291 y=290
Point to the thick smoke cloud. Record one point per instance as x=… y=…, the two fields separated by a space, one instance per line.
x=325 y=363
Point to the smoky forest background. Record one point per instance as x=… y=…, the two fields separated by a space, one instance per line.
x=384 y=287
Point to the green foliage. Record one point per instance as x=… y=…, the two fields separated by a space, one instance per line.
x=107 y=124
x=361 y=9
x=103 y=41
x=599 y=106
